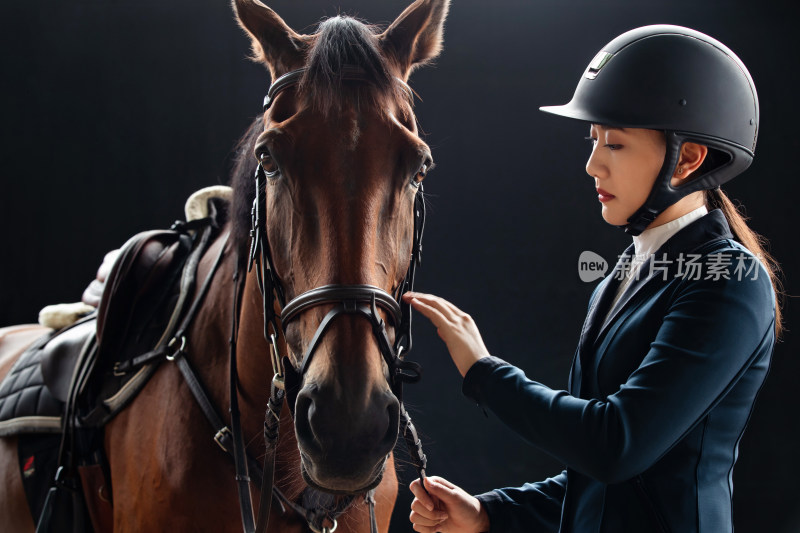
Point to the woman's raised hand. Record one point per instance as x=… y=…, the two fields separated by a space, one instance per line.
x=445 y=508
x=455 y=327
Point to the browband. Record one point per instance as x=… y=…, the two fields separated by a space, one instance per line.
x=348 y=73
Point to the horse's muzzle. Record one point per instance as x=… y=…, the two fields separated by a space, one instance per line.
x=343 y=439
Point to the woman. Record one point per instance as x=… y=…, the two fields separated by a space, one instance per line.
x=677 y=341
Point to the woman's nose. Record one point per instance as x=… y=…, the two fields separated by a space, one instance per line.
x=594 y=166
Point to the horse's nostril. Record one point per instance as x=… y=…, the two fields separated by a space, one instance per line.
x=393 y=412
x=302 y=425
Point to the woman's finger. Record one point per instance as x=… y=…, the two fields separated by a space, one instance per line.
x=429 y=515
x=431 y=313
x=423 y=520
x=447 y=309
x=452 y=308
x=441 y=489
x=439 y=480
x=422 y=496
x=451 y=313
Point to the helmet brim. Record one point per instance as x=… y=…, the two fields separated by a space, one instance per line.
x=593 y=117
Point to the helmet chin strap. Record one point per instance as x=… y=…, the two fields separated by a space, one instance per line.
x=663 y=194
x=730 y=161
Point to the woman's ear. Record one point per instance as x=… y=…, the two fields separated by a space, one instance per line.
x=692 y=156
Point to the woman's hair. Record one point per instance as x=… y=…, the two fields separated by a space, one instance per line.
x=717 y=199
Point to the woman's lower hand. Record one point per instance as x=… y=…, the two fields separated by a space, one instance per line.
x=455 y=327
x=446 y=508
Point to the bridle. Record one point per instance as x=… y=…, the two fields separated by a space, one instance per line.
x=358 y=300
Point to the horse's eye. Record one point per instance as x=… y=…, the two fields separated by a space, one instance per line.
x=268 y=164
x=422 y=172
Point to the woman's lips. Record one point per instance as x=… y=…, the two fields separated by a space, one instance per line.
x=604 y=196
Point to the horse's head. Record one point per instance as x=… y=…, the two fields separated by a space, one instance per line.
x=342 y=161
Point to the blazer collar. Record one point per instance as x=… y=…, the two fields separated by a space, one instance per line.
x=709 y=228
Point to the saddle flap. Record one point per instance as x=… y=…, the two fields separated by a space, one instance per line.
x=60 y=355
x=140 y=280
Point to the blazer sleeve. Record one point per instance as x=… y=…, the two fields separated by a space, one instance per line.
x=711 y=333
x=531 y=508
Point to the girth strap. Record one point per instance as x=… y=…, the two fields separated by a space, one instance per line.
x=223 y=435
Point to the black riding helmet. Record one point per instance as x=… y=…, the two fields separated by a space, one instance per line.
x=680 y=81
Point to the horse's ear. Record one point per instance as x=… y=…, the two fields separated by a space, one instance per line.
x=274 y=43
x=416 y=36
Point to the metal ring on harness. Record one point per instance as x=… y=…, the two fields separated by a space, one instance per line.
x=172 y=343
x=324 y=529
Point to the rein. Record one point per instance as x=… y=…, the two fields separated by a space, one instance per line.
x=361 y=300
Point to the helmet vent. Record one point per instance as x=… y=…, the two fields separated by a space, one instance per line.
x=598 y=63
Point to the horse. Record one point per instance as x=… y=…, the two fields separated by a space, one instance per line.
x=327 y=227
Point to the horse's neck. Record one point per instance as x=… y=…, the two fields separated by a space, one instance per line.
x=212 y=330
x=253 y=356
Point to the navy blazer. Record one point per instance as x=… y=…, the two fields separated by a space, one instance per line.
x=660 y=392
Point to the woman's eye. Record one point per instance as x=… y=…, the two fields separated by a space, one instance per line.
x=593 y=140
x=268 y=164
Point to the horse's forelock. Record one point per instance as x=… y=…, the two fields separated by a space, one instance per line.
x=341 y=41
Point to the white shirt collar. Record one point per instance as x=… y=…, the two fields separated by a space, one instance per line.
x=651 y=239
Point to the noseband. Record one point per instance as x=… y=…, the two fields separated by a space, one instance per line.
x=351 y=299
x=358 y=300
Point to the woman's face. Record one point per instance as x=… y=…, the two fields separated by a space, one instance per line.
x=624 y=163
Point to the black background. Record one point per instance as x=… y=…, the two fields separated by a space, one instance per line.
x=114 y=112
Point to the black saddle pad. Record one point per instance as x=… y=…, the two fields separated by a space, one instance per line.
x=33 y=394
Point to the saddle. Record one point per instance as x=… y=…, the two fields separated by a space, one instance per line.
x=72 y=381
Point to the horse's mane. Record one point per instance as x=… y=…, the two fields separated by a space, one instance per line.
x=244 y=187
x=339 y=41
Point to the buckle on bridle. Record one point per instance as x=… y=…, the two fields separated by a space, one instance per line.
x=116 y=371
x=223 y=433
x=278 y=379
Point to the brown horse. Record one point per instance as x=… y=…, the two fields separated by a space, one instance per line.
x=342 y=161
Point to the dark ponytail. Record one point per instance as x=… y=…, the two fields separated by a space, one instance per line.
x=717 y=199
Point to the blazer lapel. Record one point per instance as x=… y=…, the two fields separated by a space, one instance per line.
x=643 y=277
x=707 y=229
x=605 y=295
x=598 y=309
